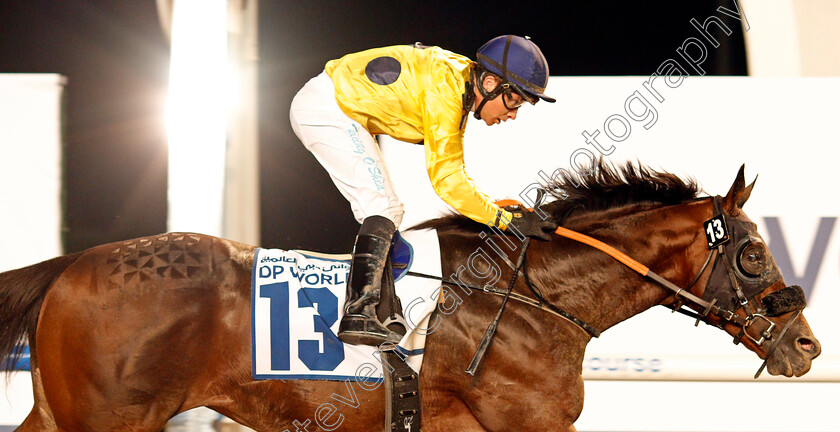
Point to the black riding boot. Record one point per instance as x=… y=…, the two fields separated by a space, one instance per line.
x=360 y=326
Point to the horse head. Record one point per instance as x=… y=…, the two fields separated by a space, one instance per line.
x=727 y=278
x=630 y=238
x=741 y=277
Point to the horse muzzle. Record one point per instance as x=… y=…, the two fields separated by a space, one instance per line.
x=795 y=350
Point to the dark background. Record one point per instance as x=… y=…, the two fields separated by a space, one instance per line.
x=115 y=56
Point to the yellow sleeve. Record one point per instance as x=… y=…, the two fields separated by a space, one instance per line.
x=445 y=162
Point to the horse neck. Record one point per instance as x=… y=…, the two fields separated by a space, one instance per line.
x=600 y=290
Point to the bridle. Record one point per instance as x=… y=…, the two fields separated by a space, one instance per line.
x=720 y=232
x=718 y=237
x=717 y=301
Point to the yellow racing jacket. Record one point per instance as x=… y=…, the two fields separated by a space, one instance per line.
x=414 y=94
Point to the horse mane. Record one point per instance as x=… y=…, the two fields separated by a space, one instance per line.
x=606 y=186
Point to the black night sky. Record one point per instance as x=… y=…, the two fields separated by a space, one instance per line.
x=115 y=57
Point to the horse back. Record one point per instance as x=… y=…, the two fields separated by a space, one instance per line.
x=165 y=261
x=178 y=275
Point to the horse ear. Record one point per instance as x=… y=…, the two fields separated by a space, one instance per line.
x=733 y=197
x=746 y=195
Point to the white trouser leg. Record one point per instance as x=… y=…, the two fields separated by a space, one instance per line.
x=347 y=151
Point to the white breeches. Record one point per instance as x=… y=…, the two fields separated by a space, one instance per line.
x=349 y=153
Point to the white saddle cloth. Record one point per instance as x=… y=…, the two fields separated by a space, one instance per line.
x=297 y=300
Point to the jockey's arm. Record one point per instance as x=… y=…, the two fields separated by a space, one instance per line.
x=445 y=166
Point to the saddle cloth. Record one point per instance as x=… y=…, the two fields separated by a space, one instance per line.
x=297 y=300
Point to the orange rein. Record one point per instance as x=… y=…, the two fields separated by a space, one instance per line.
x=603 y=247
x=597 y=244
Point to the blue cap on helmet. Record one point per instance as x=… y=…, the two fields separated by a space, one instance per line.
x=518 y=61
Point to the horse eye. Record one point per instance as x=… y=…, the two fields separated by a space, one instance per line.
x=752 y=260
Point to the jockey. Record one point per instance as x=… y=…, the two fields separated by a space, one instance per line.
x=421 y=95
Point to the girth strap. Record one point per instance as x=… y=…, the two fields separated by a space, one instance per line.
x=402 y=394
x=402 y=385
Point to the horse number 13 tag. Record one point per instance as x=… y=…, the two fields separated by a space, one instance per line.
x=716 y=232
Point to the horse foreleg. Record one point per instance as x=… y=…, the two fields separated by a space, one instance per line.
x=33 y=423
x=40 y=418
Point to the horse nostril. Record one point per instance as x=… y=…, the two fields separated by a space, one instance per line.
x=807 y=345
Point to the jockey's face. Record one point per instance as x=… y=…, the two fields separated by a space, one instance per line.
x=496 y=110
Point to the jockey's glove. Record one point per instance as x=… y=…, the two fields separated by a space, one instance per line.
x=530 y=224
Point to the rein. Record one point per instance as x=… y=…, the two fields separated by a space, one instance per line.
x=717 y=249
x=535 y=303
x=681 y=294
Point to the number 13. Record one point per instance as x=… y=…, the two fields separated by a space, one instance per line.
x=715 y=230
x=308 y=350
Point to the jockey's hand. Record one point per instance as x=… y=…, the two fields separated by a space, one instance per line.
x=530 y=224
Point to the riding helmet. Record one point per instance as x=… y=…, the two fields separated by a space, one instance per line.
x=518 y=61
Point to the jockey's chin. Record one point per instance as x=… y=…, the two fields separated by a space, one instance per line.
x=495 y=112
x=498 y=121
x=493 y=120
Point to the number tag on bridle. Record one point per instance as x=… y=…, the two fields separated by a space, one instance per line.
x=716 y=232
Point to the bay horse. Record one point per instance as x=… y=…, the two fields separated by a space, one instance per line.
x=124 y=336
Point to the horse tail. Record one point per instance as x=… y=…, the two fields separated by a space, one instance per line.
x=22 y=292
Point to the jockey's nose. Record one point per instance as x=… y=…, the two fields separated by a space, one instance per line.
x=512 y=114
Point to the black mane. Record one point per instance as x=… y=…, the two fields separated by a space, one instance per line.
x=605 y=187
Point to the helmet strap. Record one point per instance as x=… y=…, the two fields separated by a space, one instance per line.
x=485 y=95
x=467 y=101
x=500 y=87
